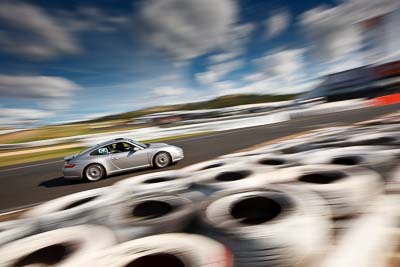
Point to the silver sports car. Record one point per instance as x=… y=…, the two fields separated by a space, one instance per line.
x=118 y=155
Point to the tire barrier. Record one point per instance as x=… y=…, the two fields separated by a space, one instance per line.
x=393 y=185
x=385 y=139
x=328 y=141
x=276 y=226
x=386 y=128
x=134 y=217
x=210 y=165
x=66 y=247
x=240 y=176
x=274 y=161
x=174 y=182
x=288 y=147
x=342 y=225
x=329 y=132
x=378 y=158
x=70 y=210
x=167 y=250
x=291 y=147
x=370 y=233
x=291 y=203
x=337 y=184
x=240 y=155
x=17 y=229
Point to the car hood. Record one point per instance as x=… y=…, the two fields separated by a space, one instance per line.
x=157 y=145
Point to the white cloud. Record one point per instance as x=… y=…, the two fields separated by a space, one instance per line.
x=277 y=23
x=166 y=91
x=253 y=77
x=29 y=31
x=218 y=71
x=280 y=72
x=336 y=34
x=92 y=18
x=21 y=116
x=39 y=87
x=186 y=29
x=218 y=58
x=286 y=64
x=266 y=85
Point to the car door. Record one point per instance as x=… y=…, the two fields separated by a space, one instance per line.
x=125 y=155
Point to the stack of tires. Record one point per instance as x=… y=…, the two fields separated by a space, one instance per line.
x=292 y=203
x=65 y=247
x=132 y=217
x=168 y=250
x=17 y=229
x=70 y=210
x=278 y=226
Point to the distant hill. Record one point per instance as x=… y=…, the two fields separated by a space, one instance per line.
x=219 y=102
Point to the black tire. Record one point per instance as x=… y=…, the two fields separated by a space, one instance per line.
x=94 y=172
x=162 y=160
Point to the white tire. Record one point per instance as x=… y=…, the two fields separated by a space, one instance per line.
x=67 y=247
x=240 y=176
x=241 y=155
x=388 y=139
x=393 y=185
x=165 y=182
x=73 y=209
x=274 y=161
x=379 y=158
x=277 y=226
x=17 y=229
x=288 y=147
x=346 y=189
x=134 y=217
x=369 y=240
x=210 y=165
x=169 y=250
x=330 y=131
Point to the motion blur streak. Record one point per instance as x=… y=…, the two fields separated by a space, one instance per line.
x=276 y=125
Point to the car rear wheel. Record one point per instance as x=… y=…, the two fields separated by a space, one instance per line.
x=94 y=172
x=162 y=160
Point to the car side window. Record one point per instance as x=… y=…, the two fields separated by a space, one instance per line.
x=101 y=151
x=120 y=147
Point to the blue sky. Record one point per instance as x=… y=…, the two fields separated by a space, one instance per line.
x=72 y=60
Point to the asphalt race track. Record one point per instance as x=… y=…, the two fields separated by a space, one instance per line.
x=26 y=184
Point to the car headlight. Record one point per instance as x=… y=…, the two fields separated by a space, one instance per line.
x=179 y=150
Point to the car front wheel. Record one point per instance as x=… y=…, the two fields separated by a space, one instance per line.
x=94 y=172
x=162 y=160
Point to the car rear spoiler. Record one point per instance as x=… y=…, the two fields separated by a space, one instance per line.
x=70 y=157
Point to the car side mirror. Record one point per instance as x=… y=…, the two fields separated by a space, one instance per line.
x=135 y=148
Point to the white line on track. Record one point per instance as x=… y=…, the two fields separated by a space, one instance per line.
x=33 y=165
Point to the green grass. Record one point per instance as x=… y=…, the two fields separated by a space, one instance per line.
x=50 y=132
x=37 y=156
x=31 y=157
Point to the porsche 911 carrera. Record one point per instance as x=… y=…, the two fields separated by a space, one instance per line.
x=119 y=155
